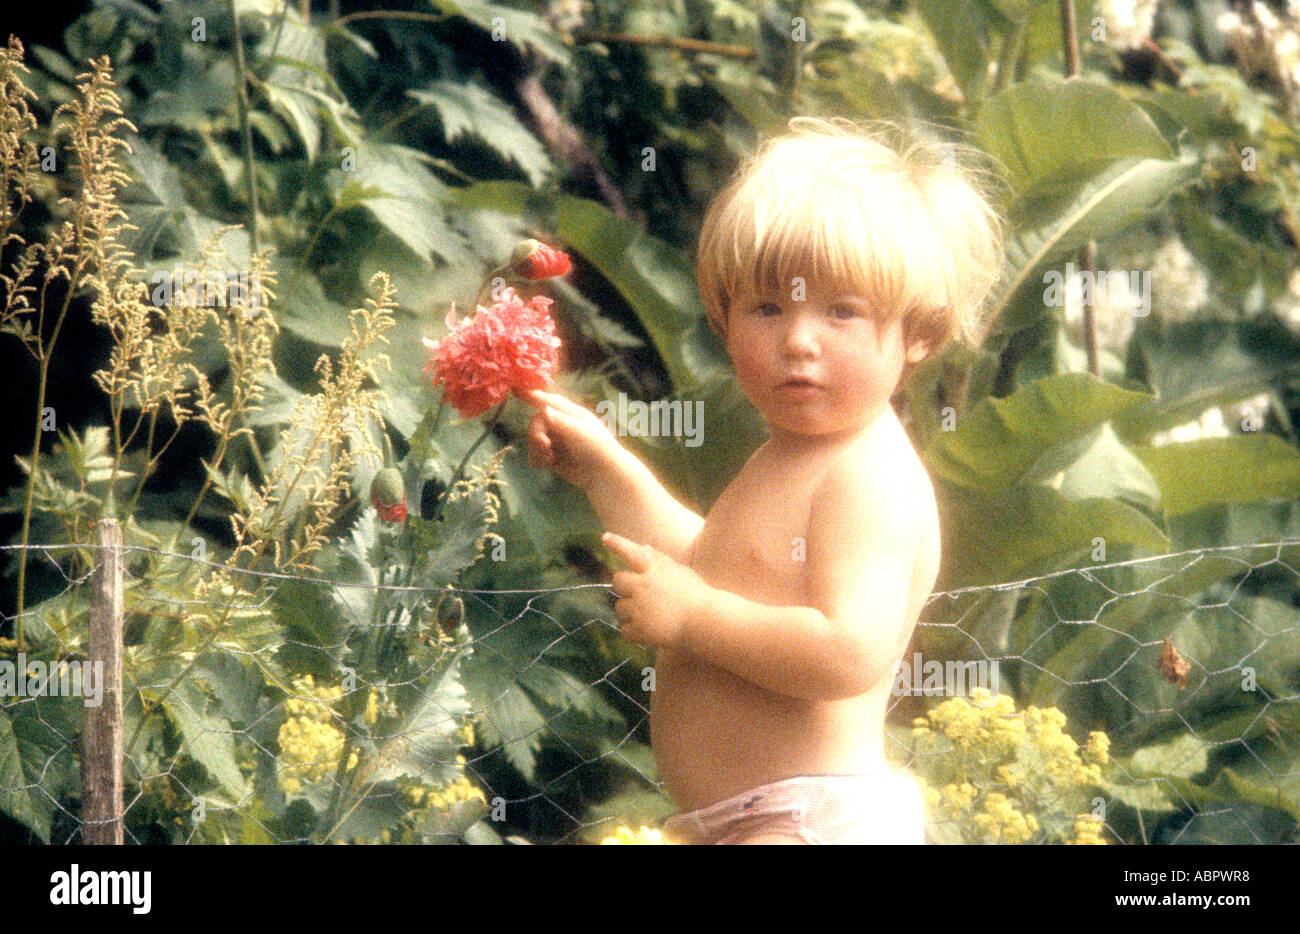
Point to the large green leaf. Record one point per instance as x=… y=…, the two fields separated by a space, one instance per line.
x=471 y=110
x=425 y=743
x=1039 y=430
x=208 y=738
x=1052 y=222
x=1033 y=530
x=1025 y=125
x=959 y=28
x=37 y=758
x=1212 y=471
x=393 y=184
x=1108 y=468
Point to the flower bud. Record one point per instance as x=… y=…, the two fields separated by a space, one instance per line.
x=532 y=259
x=450 y=614
x=388 y=494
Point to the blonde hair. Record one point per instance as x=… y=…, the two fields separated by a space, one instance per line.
x=905 y=220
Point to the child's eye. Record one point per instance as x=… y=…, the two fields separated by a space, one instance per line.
x=844 y=312
x=767 y=309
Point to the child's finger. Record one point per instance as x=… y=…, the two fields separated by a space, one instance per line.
x=534 y=397
x=540 y=450
x=563 y=404
x=561 y=420
x=632 y=554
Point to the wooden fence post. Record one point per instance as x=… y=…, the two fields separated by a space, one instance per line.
x=101 y=738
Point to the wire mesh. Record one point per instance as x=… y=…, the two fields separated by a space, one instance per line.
x=526 y=719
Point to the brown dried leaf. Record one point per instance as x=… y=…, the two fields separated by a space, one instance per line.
x=1173 y=666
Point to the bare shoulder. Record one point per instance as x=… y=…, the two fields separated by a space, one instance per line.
x=882 y=478
x=873 y=536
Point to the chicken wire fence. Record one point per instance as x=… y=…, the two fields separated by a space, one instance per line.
x=251 y=727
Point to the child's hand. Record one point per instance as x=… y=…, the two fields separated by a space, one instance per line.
x=569 y=439
x=657 y=596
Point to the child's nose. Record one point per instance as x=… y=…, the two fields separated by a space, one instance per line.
x=800 y=336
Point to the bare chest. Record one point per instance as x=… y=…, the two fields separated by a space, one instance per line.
x=754 y=540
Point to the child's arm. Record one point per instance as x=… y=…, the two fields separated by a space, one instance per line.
x=627 y=497
x=863 y=542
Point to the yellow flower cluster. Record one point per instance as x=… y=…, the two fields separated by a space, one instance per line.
x=1087 y=832
x=311 y=743
x=446 y=796
x=626 y=836
x=1023 y=769
x=424 y=798
x=1002 y=822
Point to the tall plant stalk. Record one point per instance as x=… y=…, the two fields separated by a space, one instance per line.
x=1088 y=255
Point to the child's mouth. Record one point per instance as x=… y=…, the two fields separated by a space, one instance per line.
x=798 y=388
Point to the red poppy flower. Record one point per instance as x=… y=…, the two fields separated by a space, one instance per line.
x=535 y=260
x=388 y=494
x=509 y=345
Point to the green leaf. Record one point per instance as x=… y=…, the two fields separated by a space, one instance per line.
x=304 y=308
x=391 y=183
x=1034 y=530
x=506 y=716
x=425 y=744
x=1024 y=125
x=1230 y=788
x=562 y=691
x=959 y=30
x=381 y=808
x=1040 y=429
x=1109 y=469
x=1143 y=785
x=1196 y=365
x=1212 y=471
x=208 y=739
x=521 y=28
x=234 y=681
x=549 y=511
x=1052 y=222
x=299 y=79
x=514 y=702
x=471 y=110
x=21 y=797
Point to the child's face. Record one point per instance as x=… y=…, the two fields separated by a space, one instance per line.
x=817 y=366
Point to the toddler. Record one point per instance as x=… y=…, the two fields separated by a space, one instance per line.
x=831 y=264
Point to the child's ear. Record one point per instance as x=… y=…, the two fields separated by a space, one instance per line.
x=917 y=351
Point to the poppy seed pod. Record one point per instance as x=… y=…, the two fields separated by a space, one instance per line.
x=388 y=494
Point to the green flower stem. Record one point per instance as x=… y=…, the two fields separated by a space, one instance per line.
x=241 y=77
x=311 y=245
x=207 y=481
x=503 y=271
x=1009 y=54
x=29 y=496
x=464 y=461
